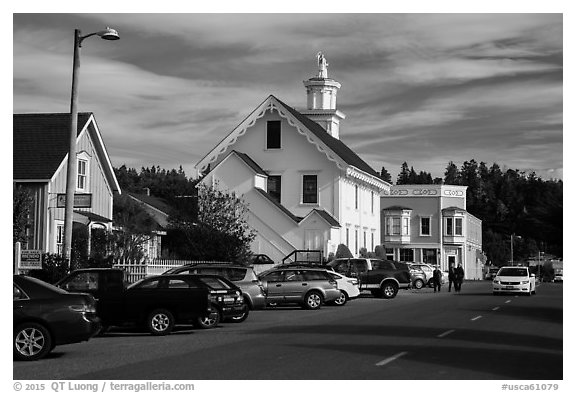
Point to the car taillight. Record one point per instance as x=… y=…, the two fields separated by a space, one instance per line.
x=216 y=298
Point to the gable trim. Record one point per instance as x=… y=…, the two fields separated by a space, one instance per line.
x=270 y=104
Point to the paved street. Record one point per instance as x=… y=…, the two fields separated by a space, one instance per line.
x=417 y=335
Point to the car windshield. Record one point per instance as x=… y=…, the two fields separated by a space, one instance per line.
x=513 y=272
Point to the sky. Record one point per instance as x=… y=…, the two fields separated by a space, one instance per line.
x=425 y=89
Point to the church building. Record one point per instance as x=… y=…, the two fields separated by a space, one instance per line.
x=305 y=188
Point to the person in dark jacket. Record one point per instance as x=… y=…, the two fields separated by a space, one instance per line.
x=451 y=277
x=458 y=277
x=437 y=279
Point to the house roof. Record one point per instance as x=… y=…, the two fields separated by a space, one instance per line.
x=93 y=217
x=41 y=142
x=336 y=145
x=251 y=163
x=327 y=217
x=453 y=208
x=157 y=203
x=278 y=205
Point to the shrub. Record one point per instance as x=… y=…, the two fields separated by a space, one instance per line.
x=343 y=252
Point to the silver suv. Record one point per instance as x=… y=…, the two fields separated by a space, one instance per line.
x=243 y=276
x=309 y=287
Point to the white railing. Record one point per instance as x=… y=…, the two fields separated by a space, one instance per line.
x=138 y=271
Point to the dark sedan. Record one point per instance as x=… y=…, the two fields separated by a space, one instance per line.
x=45 y=316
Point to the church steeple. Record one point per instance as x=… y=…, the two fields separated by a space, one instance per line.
x=321 y=94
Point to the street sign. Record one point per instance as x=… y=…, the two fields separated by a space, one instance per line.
x=30 y=259
x=80 y=200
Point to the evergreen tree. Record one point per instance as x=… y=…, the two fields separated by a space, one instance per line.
x=452 y=175
x=384 y=175
x=404 y=175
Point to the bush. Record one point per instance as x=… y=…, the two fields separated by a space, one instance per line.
x=380 y=252
x=54 y=267
x=343 y=252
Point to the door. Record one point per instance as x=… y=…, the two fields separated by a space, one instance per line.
x=313 y=240
x=294 y=285
x=274 y=286
x=452 y=260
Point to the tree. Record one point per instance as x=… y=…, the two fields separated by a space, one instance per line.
x=452 y=175
x=404 y=175
x=384 y=175
x=136 y=229
x=22 y=202
x=221 y=231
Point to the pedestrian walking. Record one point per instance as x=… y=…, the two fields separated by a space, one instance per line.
x=437 y=279
x=458 y=278
x=451 y=277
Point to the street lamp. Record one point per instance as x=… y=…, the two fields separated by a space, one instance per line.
x=71 y=172
x=512 y=237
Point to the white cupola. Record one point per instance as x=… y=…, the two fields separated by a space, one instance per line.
x=321 y=94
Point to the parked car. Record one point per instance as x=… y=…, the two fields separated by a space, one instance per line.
x=428 y=271
x=152 y=303
x=261 y=262
x=226 y=298
x=349 y=288
x=381 y=278
x=46 y=316
x=559 y=276
x=242 y=276
x=514 y=279
x=309 y=287
x=95 y=281
x=418 y=277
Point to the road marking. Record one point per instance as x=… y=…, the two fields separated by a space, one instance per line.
x=495 y=308
x=508 y=301
x=391 y=359
x=476 y=318
x=447 y=332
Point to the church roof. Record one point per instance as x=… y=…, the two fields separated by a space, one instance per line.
x=336 y=145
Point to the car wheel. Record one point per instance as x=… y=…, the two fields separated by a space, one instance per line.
x=242 y=317
x=160 y=322
x=389 y=290
x=32 y=341
x=341 y=300
x=209 y=322
x=313 y=300
x=419 y=284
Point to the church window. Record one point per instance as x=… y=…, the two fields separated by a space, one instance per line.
x=309 y=189
x=273 y=134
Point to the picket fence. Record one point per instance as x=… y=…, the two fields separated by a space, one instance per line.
x=138 y=271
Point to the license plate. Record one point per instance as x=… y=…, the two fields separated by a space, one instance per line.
x=509 y=287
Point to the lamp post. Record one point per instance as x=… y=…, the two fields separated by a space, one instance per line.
x=71 y=172
x=512 y=237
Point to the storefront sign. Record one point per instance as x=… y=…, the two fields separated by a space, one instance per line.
x=80 y=200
